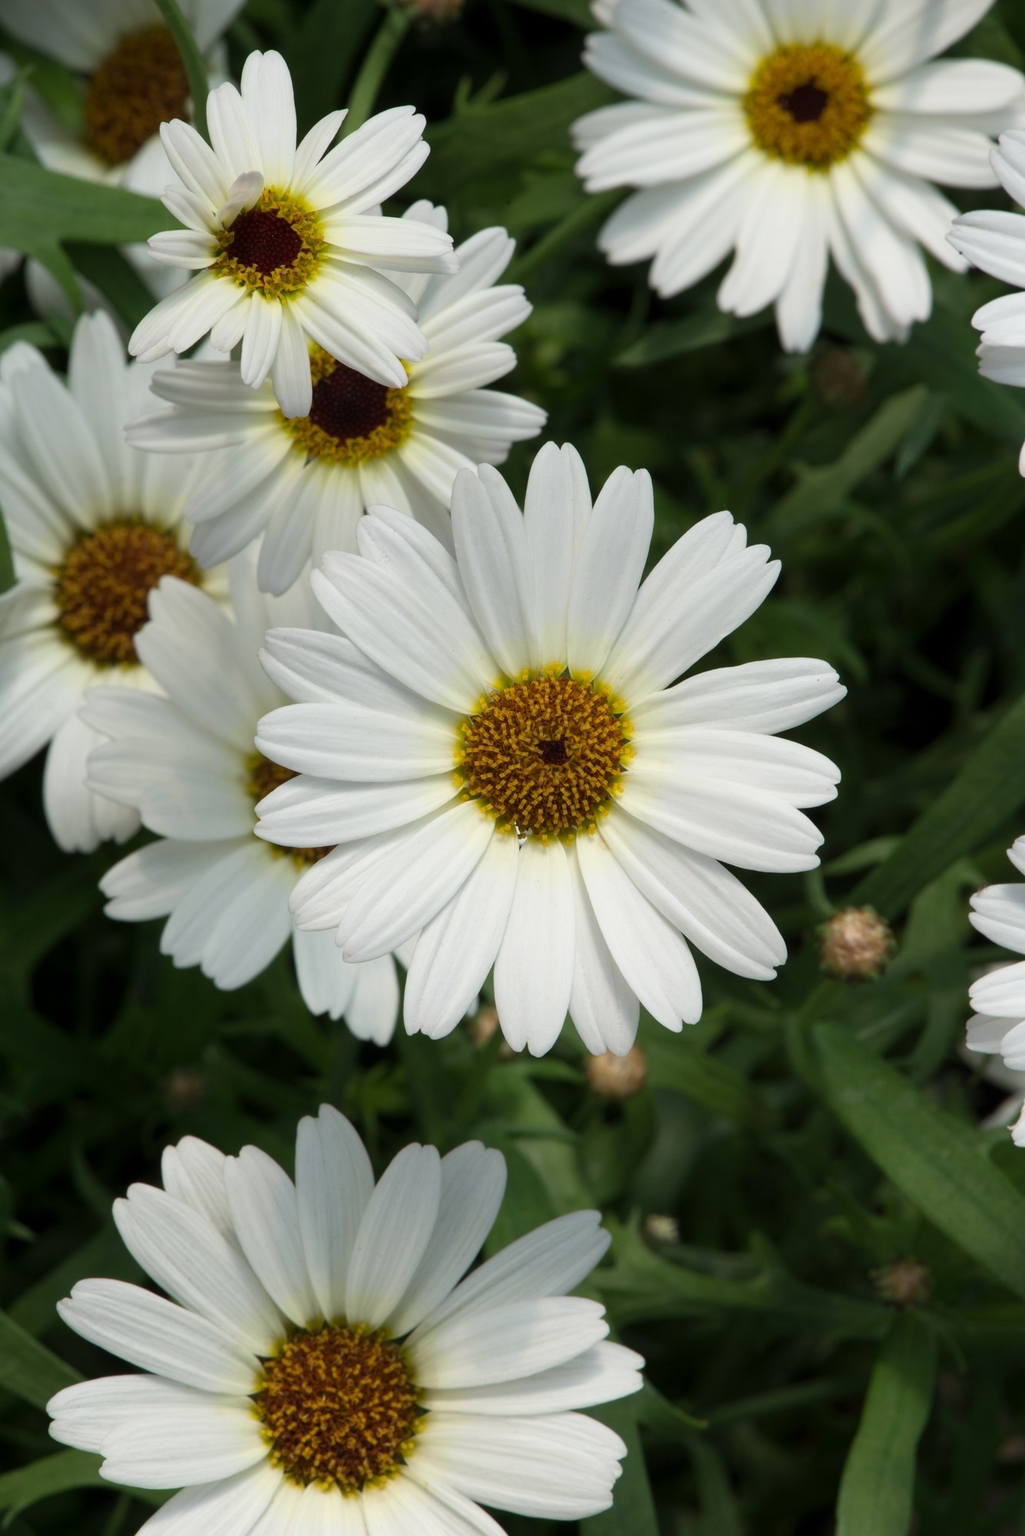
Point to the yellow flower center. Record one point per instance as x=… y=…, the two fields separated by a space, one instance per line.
x=338 y=1407
x=272 y=248
x=104 y=582
x=544 y=756
x=352 y=418
x=264 y=775
x=138 y=86
x=808 y=104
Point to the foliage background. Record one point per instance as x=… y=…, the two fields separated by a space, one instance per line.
x=804 y=1135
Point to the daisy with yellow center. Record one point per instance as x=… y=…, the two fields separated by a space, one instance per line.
x=328 y=1361
x=94 y=526
x=304 y=482
x=788 y=135
x=183 y=760
x=282 y=240
x=514 y=778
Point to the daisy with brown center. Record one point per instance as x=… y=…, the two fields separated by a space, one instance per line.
x=184 y=761
x=304 y=482
x=788 y=134
x=326 y=1364
x=512 y=781
x=94 y=525
x=282 y=240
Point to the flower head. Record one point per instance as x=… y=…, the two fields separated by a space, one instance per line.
x=283 y=242
x=789 y=134
x=998 y=1024
x=323 y=1362
x=308 y=479
x=510 y=776
x=185 y=763
x=94 y=526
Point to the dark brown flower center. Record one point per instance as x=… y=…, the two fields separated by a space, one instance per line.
x=352 y=418
x=264 y=241
x=338 y=1407
x=266 y=775
x=807 y=104
x=138 y=86
x=102 y=587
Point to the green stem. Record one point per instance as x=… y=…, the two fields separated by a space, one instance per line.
x=195 y=66
x=375 y=66
x=7 y=576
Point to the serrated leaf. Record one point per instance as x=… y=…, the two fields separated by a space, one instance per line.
x=676 y=1062
x=966 y=816
x=28 y=1368
x=936 y=1161
x=877 y=1490
x=39 y=209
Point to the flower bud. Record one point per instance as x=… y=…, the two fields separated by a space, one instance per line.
x=659 y=1230
x=617 y=1077
x=855 y=944
x=904 y=1283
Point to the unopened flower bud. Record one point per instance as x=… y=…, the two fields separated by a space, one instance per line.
x=659 y=1230
x=840 y=377
x=185 y=1088
x=617 y=1077
x=436 y=12
x=855 y=944
x=904 y=1283
x=483 y=1028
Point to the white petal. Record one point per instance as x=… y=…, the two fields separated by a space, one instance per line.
x=393 y=1235
x=534 y=968
x=603 y=1006
x=232 y=1507
x=264 y=1210
x=334 y=1182
x=491 y=548
x=608 y=568
x=517 y=1339
x=599 y=1375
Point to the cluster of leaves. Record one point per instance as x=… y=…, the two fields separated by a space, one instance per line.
x=805 y=1137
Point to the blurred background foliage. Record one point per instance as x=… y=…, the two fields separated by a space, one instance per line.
x=819 y=1241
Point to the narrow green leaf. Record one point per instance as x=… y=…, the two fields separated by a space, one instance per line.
x=633 y=1508
x=675 y=1062
x=53 y=82
x=375 y=66
x=966 y=816
x=195 y=64
x=115 y=277
x=105 y=1254
x=487 y=140
x=826 y=487
x=324 y=47
x=706 y=329
x=938 y=1163
x=720 y=1513
x=877 y=1490
x=28 y=1368
x=39 y=208
x=943 y=351
x=53 y=1474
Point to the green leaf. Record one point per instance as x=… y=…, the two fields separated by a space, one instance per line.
x=53 y=1474
x=677 y=1062
x=967 y=815
x=485 y=140
x=877 y=1490
x=633 y=1508
x=943 y=351
x=195 y=64
x=39 y=209
x=577 y=11
x=938 y=1163
x=324 y=48
x=706 y=329
x=825 y=488
x=28 y=1368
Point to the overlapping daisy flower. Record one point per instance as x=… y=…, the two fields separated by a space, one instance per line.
x=510 y=775
x=284 y=242
x=184 y=762
x=994 y=239
x=94 y=525
x=303 y=483
x=324 y=1366
x=787 y=133
x=998 y=1025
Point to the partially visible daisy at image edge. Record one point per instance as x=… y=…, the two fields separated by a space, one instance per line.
x=183 y=760
x=998 y=1024
x=93 y=525
x=284 y=242
x=517 y=779
x=787 y=134
x=325 y=1363
x=307 y=480
x=993 y=239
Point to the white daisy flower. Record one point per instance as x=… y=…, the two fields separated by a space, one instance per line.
x=308 y=480
x=134 y=80
x=94 y=525
x=284 y=241
x=998 y=1025
x=322 y=1365
x=511 y=773
x=786 y=132
x=186 y=764
x=995 y=241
